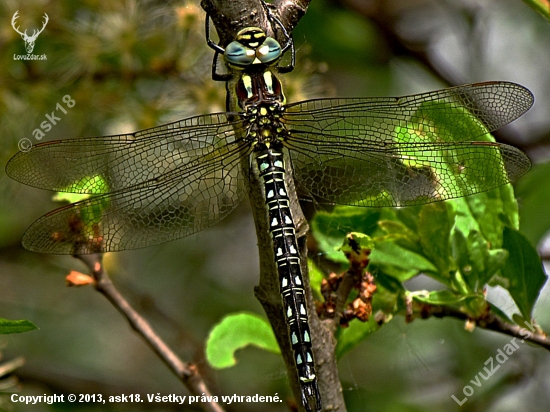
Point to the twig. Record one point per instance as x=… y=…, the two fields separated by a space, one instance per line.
x=344 y=290
x=490 y=321
x=187 y=373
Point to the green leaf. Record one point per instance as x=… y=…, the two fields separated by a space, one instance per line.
x=524 y=271
x=488 y=213
x=533 y=191
x=316 y=277
x=409 y=216
x=403 y=235
x=441 y=297
x=485 y=262
x=495 y=261
x=460 y=251
x=436 y=221
x=389 y=257
x=477 y=234
x=237 y=331
x=390 y=292
x=16 y=326
x=476 y=261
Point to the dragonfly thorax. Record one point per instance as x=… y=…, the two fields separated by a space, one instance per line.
x=258 y=87
x=265 y=128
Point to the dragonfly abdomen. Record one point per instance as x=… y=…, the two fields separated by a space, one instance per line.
x=283 y=232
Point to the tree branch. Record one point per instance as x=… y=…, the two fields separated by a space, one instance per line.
x=187 y=373
x=230 y=17
x=531 y=333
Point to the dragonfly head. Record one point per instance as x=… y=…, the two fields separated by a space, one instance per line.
x=252 y=46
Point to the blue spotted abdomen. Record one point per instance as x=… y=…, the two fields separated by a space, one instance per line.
x=283 y=232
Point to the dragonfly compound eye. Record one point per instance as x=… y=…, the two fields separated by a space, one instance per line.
x=239 y=55
x=269 y=51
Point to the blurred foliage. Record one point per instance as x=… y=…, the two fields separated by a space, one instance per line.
x=541 y=6
x=135 y=64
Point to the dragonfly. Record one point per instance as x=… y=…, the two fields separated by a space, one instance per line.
x=173 y=180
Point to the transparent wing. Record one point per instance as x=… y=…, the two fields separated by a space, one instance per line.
x=406 y=151
x=156 y=185
x=109 y=163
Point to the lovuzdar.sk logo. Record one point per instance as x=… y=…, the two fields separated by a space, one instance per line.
x=29 y=39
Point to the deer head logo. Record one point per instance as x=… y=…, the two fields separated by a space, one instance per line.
x=29 y=40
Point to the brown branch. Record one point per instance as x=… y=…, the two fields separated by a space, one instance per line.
x=187 y=373
x=346 y=286
x=531 y=333
x=231 y=16
x=290 y=12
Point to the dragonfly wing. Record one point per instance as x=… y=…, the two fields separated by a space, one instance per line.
x=409 y=150
x=146 y=188
x=402 y=175
x=172 y=207
x=106 y=164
